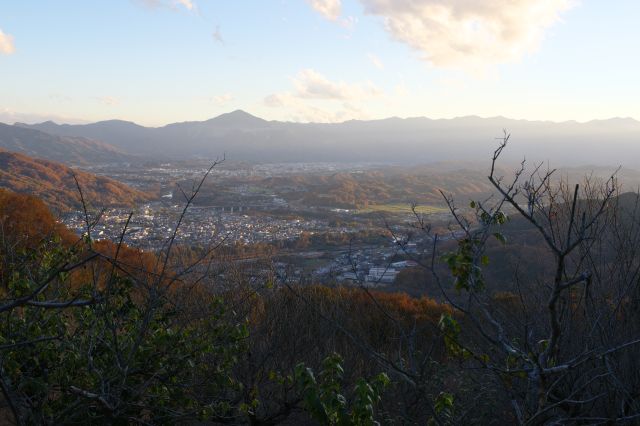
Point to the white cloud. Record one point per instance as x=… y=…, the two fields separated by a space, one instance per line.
x=330 y=9
x=279 y=100
x=310 y=84
x=222 y=100
x=375 y=61
x=301 y=110
x=349 y=22
x=463 y=34
x=188 y=4
x=468 y=34
x=173 y=4
x=338 y=100
x=6 y=43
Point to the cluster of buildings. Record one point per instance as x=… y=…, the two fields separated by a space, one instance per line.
x=150 y=227
x=241 y=212
x=151 y=174
x=369 y=266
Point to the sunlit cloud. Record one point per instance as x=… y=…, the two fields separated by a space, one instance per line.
x=464 y=34
x=222 y=100
x=173 y=4
x=187 y=4
x=375 y=61
x=279 y=100
x=7 y=46
x=302 y=111
x=339 y=99
x=330 y=9
x=310 y=84
x=349 y=22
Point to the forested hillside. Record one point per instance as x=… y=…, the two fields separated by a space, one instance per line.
x=530 y=317
x=54 y=183
x=65 y=149
x=126 y=336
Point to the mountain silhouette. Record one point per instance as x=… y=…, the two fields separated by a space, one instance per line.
x=243 y=136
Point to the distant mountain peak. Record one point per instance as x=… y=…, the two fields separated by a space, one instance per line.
x=115 y=122
x=239 y=118
x=619 y=120
x=412 y=140
x=238 y=113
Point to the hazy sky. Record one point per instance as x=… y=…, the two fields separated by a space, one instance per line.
x=160 y=61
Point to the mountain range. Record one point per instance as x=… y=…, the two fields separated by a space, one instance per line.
x=244 y=137
x=77 y=150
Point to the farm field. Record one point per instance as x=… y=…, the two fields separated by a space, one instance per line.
x=401 y=209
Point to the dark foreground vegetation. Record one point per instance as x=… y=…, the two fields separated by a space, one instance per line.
x=533 y=318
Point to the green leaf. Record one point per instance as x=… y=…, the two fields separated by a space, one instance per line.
x=444 y=403
x=500 y=237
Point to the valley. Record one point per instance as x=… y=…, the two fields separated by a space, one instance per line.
x=293 y=214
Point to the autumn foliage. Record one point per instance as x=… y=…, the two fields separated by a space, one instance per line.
x=54 y=183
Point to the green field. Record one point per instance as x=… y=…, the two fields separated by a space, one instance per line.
x=401 y=209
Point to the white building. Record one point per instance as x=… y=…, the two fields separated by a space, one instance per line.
x=381 y=275
x=404 y=264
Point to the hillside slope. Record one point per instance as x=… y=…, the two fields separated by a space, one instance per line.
x=53 y=182
x=66 y=149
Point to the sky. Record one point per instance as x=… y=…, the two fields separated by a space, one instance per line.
x=156 y=62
